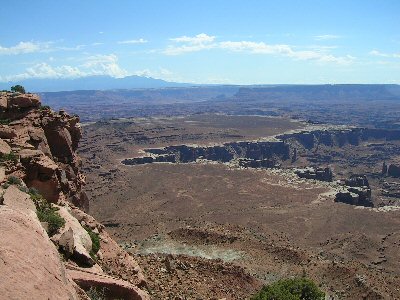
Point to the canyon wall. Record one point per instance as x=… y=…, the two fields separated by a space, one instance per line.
x=265 y=153
x=42 y=187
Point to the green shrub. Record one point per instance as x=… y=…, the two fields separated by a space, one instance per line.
x=13 y=180
x=290 y=289
x=46 y=212
x=95 y=242
x=33 y=192
x=18 y=88
x=5 y=121
x=9 y=157
x=44 y=107
x=23 y=189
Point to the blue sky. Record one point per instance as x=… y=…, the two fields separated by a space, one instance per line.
x=219 y=41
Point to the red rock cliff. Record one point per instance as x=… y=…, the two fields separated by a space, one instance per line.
x=37 y=153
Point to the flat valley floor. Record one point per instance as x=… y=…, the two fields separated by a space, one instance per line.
x=209 y=230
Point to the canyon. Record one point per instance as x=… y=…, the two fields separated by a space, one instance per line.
x=199 y=205
x=272 y=196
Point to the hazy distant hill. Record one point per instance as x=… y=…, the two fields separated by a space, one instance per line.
x=326 y=92
x=90 y=83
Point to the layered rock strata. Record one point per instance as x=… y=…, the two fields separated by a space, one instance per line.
x=38 y=161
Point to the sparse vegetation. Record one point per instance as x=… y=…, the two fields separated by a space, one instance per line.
x=96 y=293
x=13 y=180
x=9 y=157
x=46 y=212
x=290 y=289
x=5 y=121
x=18 y=89
x=95 y=242
x=44 y=107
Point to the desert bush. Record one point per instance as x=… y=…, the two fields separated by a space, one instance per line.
x=5 y=121
x=13 y=180
x=290 y=289
x=46 y=212
x=9 y=157
x=44 y=107
x=18 y=88
x=95 y=241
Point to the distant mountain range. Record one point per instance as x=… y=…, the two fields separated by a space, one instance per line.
x=90 y=83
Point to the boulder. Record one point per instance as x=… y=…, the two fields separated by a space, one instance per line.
x=46 y=167
x=24 y=101
x=18 y=200
x=74 y=239
x=60 y=143
x=38 y=139
x=113 y=257
x=6 y=132
x=30 y=266
x=4 y=148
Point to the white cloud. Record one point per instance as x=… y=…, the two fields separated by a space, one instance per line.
x=284 y=50
x=173 y=50
x=139 y=41
x=325 y=37
x=69 y=48
x=161 y=73
x=205 y=42
x=105 y=65
x=34 y=47
x=44 y=70
x=198 y=39
x=25 y=47
x=93 y=65
x=196 y=43
x=382 y=54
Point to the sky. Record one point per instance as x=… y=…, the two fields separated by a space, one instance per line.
x=204 y=41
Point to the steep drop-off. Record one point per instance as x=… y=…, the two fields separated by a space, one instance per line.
x=41 y=180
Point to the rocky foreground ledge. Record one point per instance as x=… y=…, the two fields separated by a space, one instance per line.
x=50 y=248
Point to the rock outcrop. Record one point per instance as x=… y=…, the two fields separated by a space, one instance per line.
x=30 y=266
x=264 y=153
x=356 y=191
x=42 y=170
x=257 y=151
x=394 y=171
x=46 y=142
x=322 y=174
x=113 y=288
x=74 y=240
